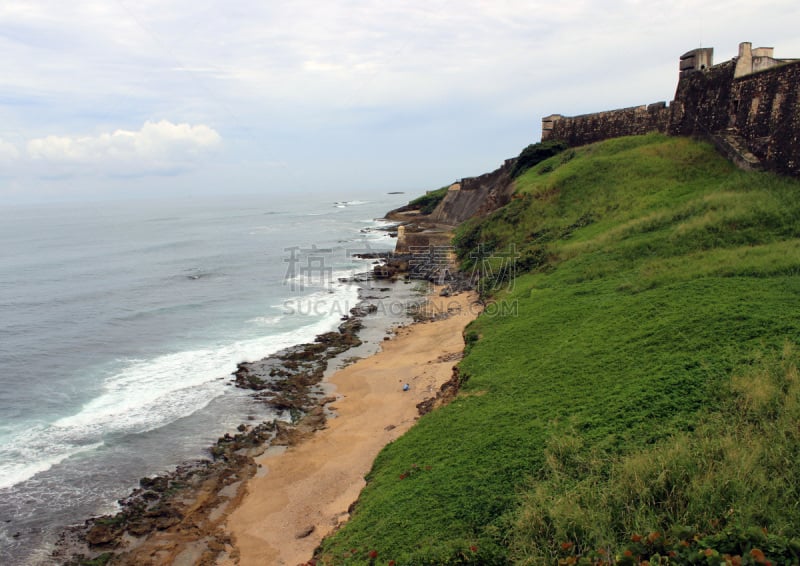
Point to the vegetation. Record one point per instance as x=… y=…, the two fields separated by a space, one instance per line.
x=639 y=403
x=428 y=202
x=535 y=154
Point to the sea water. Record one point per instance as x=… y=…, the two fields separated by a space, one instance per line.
x=120 y=324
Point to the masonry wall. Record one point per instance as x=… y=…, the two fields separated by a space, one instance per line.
x=762 y=110
x=702 y=101
x=590 y=128
x=765 y=110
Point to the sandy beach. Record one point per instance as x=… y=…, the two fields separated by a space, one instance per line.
x=302 y=494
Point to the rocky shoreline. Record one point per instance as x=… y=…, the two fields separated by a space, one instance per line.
x=179 y=516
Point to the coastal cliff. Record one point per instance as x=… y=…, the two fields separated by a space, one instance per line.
x=632 y=385
x=475 y=196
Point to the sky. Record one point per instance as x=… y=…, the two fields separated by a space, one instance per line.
x=119 y=99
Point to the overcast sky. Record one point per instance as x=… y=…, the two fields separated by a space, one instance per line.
x=120 y=98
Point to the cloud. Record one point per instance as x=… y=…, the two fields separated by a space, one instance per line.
x=158 y=147
x=445 y=88
x=8 y=152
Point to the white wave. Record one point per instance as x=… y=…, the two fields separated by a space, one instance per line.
x=149 y=394
x=346 y=203
x=266 y=320
x=26 y=456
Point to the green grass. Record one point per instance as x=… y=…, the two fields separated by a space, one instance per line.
x=615 y=397
x=534 y=154
x=428 y=202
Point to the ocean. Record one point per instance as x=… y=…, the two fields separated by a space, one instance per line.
x=120 y=324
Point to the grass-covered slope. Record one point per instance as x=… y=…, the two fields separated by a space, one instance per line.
x=427 y=203
x=634 y=388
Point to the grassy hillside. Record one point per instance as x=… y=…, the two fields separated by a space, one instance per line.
x=633 y=390
x=428 y=202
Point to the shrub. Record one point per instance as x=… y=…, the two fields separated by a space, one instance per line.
x=428 y=202
x=535 y=154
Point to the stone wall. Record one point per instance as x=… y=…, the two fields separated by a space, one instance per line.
x=765 y=111
x=475 y=196
x=701 y=102
x=589 y=128
x=758 y=112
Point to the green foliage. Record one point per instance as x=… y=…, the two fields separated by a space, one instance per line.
x=470 y=339
x=639 y=384
x=535 y=154
x=730 y=477
x=428 y=202
x=680 y=546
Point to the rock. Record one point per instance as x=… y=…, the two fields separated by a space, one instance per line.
x=163 y=523
x=139 y=528
x=158 y=483
x=305 y=532
x=103 y=533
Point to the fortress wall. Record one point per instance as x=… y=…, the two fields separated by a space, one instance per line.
x=589 y=128
x=765 y=111
x=702 y=100
x=760 y=109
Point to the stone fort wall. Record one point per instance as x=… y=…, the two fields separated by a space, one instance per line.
x=749 y=105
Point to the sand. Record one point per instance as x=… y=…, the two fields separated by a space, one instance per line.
x=301 y=495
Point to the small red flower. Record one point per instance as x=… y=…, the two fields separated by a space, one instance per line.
x=758 y=556
x=473 y=548
x=636 y=538
x=566 y=545
x=628 y=553
x=373 y=554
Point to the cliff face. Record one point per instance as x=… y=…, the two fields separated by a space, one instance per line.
x=475 y=196
x=470 y=197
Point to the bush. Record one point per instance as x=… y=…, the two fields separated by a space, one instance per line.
x=535 y=154
x=428 y=202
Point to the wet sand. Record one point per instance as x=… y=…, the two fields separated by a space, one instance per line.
x=300 y=495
